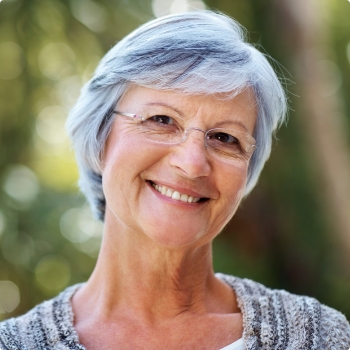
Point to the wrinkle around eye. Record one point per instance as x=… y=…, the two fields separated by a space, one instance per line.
x=153 y=125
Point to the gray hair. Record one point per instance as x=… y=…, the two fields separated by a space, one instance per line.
x=199 y=52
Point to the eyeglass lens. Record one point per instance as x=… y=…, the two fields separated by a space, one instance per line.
x=222 y=143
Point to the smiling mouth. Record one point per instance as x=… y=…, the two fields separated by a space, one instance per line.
x=171 y=193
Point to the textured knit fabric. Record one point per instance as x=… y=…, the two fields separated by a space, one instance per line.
x=272 y=320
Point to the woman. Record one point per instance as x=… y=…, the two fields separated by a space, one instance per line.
x=170 y=134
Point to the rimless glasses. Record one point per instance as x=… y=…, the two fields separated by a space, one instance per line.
x=224 y=144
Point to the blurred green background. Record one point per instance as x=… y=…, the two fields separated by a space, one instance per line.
x=292 y=232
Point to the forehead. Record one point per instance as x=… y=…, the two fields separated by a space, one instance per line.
x=207 y=109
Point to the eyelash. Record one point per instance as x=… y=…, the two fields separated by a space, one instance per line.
x=154 y=117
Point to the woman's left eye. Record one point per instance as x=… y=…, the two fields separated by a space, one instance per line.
x=225 y=138
x=162 y=119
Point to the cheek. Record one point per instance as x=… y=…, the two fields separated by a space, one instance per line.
x=233 y=180
x=117 y=172
x=125 y=162
x=232 y=188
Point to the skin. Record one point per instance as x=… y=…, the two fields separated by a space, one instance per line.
x=153 y=286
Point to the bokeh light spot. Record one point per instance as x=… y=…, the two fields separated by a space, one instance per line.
x=90 y=13
x=53 y=272
x=50 y=16
x=165 y=7
x=21 y=184
x=9 y=296
x=78 y=225
x=11 y=60
x=161 y=7
x=68 y=90
x=50 y=124
x=56 y=61
x=90 y=247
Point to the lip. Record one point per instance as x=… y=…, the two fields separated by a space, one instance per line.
x=180 y=189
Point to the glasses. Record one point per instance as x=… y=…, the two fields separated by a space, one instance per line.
x=224 y=144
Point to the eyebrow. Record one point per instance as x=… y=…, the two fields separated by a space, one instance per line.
x=229 y=122
x=223 y=123
x=165 y=105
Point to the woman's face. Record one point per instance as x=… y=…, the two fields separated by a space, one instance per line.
x=135 y=165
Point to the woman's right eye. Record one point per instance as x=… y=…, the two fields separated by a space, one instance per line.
x=162 y=119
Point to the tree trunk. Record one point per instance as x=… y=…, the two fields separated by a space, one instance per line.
x=324 y=119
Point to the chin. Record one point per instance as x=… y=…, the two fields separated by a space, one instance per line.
x=173 y=236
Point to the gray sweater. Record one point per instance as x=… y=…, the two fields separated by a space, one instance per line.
x=272 y=319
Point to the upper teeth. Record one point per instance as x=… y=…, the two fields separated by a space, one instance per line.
x=169 y=192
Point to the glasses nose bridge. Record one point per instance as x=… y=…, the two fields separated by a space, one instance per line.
x=187 y=131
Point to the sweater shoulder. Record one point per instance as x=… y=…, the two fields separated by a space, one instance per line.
x=278 y=318
x=334 y=329
x=47 y=326
x=21 y=332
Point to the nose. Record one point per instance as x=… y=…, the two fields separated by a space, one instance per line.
x=187 y=132
x=190 y=156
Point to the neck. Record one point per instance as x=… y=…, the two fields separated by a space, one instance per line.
x=152 y=282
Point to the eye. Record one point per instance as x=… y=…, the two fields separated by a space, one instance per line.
x=162 y=119
x=223 y=137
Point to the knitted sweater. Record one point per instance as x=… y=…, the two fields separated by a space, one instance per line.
x=272 y=319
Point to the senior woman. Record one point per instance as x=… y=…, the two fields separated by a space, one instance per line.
x=170 y=134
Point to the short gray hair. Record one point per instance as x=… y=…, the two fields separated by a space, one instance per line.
x=198 y=52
